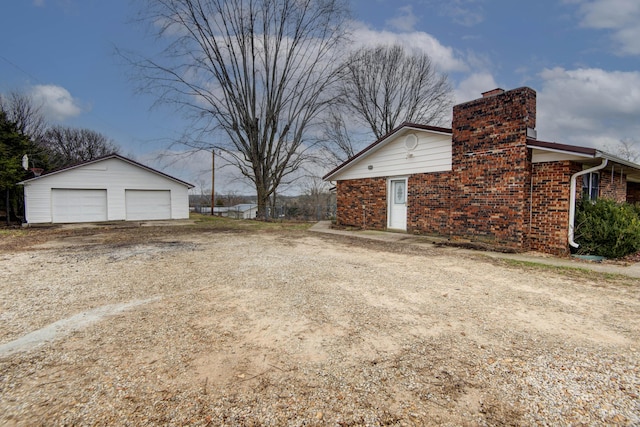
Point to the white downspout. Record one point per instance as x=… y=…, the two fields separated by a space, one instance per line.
x=572 y=198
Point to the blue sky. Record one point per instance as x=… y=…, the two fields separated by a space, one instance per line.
x=581 y=56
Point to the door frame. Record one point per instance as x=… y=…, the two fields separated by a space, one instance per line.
x=390 y=200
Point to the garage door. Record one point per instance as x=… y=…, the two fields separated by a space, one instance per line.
x=73 y=205
x=148 y=204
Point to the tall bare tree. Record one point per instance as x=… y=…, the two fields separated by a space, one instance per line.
x=66 y=145
x=385 y=86
x=255 y=71
x=338 y=144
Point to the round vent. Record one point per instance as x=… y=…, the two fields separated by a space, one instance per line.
x=411 y=141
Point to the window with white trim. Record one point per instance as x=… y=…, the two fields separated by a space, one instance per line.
x=591 y=185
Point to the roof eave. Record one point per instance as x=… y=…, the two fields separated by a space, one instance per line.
x=107 y=157
x=616 y=159
x=380 y=142
x=586 y=152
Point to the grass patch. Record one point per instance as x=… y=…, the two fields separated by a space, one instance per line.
x=543 y=266
x=12 y=232
x=215 y=222
x=131 y=232
x=573 y=272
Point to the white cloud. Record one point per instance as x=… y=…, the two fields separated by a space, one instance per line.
x=619 y=16
x=406 y=20
x=38 y=3
x=589 y=107
x=443 y=57
x=56 y=102
x=473 y=86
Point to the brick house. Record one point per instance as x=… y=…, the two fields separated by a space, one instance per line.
x=487 y=179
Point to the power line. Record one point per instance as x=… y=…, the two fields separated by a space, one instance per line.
x=22 y=70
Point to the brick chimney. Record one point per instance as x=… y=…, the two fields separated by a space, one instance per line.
x=493 y=92
x=492 y=166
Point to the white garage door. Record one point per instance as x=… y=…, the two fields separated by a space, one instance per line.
x=73 y=205
x=148 y=204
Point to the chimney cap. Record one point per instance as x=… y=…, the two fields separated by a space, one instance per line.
x=493 y=92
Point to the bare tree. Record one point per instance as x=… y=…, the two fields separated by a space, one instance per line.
x=232 y=198
x=21 y=110
x=627 y=149
x=384 y=87
x=255 y=71
x=66 y=145
x=337 y=143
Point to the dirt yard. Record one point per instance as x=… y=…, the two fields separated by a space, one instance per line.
x=191 y=326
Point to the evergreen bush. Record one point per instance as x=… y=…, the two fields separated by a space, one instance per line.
x=606 y=228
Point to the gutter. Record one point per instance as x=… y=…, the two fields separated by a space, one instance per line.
x=572 y=198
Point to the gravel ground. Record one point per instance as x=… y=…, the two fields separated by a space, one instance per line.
x=209 y=328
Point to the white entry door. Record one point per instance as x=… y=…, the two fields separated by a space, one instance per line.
x=398 y=204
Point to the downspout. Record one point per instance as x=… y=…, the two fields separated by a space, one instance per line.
x=572 y=198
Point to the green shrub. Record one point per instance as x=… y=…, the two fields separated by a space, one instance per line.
x=606 y=228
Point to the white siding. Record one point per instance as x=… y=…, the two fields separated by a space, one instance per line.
x=112 y=174
x=393 y=158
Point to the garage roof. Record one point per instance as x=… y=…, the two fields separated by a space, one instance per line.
x=107 y=157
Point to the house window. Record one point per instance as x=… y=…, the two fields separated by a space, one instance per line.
x=399 y=198
x=591 y=185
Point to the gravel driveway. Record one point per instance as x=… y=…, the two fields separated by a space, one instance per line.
x=178 y=326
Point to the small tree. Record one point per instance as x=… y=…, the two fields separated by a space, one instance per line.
x=606 y=228
x=25 y=114
x=13 y=146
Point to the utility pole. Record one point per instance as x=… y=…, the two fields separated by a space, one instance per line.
x=213 y=178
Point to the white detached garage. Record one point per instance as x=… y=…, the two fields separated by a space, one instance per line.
x=111 y=188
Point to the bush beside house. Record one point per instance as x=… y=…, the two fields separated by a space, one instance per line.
x=607 y=228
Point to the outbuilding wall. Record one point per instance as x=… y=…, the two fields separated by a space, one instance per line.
x=113 y=175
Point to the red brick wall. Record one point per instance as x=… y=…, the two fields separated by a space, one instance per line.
x=492 y=167
x=493 y=193
x=362 y=203
x=548 y=231
x=429 y=203
x=613 y=186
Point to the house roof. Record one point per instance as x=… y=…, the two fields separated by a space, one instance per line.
x=590 y=155
x=383 y=140
x=574 y=150
x=243 y=207
x=553 y=146
x=103 y=158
